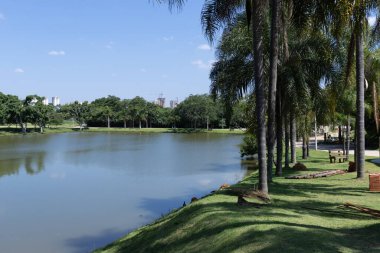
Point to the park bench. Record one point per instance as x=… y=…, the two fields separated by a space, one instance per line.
x=337 y=155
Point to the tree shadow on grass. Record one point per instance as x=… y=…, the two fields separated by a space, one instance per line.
x=304 y=189
x=209 y=231
x=291 y=237
x=370 y=160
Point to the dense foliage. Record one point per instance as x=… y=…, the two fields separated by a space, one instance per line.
x=196 y=111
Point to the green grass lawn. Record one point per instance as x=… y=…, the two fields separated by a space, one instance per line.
x=304 y=216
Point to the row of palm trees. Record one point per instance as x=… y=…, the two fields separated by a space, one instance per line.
x=296 y=66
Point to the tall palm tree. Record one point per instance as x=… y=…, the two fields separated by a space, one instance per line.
x=218 y=13
x=351 y=13
x=274 y=41
x=258 y=9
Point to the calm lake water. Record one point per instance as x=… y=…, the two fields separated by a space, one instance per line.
x=77 y=192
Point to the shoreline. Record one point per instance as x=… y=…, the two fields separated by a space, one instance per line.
x=302 y=217
x=12 y=131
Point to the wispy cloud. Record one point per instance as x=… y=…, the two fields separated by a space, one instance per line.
x=110 y=45
x=170 y=38
x=2 y=16
x=203 y=65
x=19 y=70
x=204 y=47
x=57 y=53
x=372 y=20
x=143 y=70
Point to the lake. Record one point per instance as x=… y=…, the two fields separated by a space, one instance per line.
x=75 y=192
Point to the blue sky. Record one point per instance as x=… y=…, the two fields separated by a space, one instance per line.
x=85 y=49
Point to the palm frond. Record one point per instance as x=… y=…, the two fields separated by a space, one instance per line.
x=172 y=4
x=218 y=13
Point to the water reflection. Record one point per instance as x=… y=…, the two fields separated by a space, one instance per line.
x=32 y=163
x=96 y=186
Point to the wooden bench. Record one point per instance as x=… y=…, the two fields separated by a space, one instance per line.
x=337 y=155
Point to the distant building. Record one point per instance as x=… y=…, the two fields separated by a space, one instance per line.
x=173 y=103
x=45 y=101
x=55 y=101
x=160 y=101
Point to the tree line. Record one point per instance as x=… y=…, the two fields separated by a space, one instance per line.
x=196 y=111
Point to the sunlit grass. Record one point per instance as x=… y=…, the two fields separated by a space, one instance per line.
x=304 y=216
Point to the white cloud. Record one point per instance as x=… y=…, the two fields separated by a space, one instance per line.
x=168 y=38
x=2 y=17
x=19 y=70
x=57 y=53
x=203 y=65
x=372 y=20
x=143 y=70
x=204 y=47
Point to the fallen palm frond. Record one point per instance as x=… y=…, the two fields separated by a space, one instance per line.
x=363 y=209
x=327 y=173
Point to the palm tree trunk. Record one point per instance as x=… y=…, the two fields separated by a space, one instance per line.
x=279 y=132
x=125 y=123
x=258 y=55
x=344 y=144
x=293 y=137
x=108 y=122
x=360 y=102
x=140 y=124
x=287 y=140
x=304 y=141
x=272 y=85
x=340 y=133
x=348 y=137
x=304 y=155
x=315 y=133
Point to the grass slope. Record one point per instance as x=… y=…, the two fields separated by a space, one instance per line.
x=291 y=223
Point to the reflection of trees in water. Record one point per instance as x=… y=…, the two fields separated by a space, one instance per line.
x=32 y=163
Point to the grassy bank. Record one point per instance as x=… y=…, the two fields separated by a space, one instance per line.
x=9 y=131
x=304 y=216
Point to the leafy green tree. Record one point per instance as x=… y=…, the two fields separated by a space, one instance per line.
x=56 y=117
x=106 y=109
x=198 y=110
x=138 y=110
x=80 y=112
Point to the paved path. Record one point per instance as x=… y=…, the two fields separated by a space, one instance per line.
x=327 y=147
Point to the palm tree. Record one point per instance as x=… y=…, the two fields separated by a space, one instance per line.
x=358 y=14
x=336 y=17
x=274 y=41
x=218 y=13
